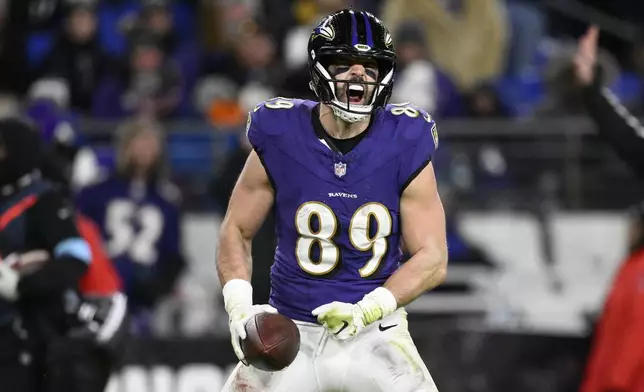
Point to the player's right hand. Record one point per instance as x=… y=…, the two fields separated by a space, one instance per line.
x=237 y=318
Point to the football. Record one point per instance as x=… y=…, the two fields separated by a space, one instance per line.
x=272 y=341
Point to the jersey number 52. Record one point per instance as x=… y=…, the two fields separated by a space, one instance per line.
x=362 y=236
x=123 y=217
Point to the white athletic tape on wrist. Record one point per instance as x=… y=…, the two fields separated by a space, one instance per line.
x=378 y=304
x=236 y=293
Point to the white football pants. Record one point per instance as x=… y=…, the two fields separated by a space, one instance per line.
x=381 y=358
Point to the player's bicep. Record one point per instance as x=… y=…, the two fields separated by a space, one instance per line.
x=422 y=215
x=251 y=199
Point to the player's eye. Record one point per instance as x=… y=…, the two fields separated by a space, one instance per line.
x=372 y=72
x=339 y=69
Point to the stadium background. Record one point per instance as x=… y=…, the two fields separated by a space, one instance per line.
x=535 y=201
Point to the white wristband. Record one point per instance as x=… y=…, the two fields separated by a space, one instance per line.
x=237 y=293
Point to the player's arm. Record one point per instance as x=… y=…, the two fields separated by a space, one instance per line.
x=249 y=204
x=51 y=221
x=424 y=234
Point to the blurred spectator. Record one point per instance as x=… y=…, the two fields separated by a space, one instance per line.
x=48 y=107
x=564 y=97
x=253 y=67
x=416 y=78
x=216 y=99
x=138 y=211
x=616 y=361
x=77 y=55
x=155 y=18
x=149 y=84
x=465 y=39
x=528 y=26
x=484 y=102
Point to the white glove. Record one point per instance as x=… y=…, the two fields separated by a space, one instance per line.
x=238 y=300
x=8 y=282
x=345 y=320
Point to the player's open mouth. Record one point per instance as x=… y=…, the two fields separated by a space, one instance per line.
x=355 y=93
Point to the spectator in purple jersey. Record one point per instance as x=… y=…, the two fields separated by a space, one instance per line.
x=138 y=211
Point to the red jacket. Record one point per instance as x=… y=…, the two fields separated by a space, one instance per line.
x=101 y=277
x=616 y=361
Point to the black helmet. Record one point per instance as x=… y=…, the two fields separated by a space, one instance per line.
x=355 y=34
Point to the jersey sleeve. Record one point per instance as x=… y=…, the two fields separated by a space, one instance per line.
x=253 y=130
x=268 y=120
x=422 y=142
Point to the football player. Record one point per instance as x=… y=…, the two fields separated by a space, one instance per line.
x=351 y=180
x=37 y=227
x=138 y=212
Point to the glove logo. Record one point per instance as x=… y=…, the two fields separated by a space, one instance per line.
x=345 y=324
x=383 y=329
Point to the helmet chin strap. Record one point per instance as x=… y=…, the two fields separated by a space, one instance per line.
x=348 y=116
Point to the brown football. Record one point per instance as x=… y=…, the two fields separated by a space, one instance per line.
x=272 y=341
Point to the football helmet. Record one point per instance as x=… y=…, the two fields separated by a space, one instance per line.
x=355 y=35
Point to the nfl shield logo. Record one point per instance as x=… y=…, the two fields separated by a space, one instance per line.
x=340 y=169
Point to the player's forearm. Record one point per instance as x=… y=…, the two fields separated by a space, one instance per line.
x=424 y=271
x=233 y=255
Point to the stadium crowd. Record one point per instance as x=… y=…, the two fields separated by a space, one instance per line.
x=217 y=59
x=70 y=63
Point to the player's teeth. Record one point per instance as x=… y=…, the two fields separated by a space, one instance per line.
x=356 y=87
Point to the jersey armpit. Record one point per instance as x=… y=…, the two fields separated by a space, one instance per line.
x=418 y=134
x=54 y=224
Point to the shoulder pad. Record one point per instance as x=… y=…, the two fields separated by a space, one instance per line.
x=412 y=122
x=274 y=117
x=417 y=132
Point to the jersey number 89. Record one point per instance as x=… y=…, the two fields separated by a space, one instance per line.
x=360 y=236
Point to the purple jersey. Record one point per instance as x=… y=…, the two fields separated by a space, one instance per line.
x=337 y=216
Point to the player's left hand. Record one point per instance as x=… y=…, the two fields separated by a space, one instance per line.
x=343 y=320
x=8 y=282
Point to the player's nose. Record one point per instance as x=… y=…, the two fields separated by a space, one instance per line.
x=357 y=70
